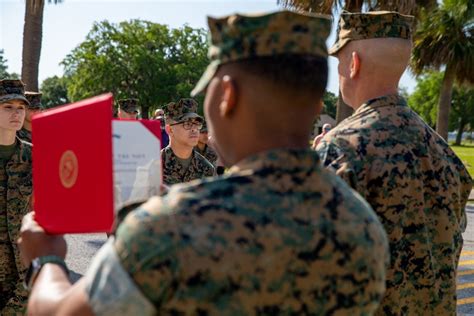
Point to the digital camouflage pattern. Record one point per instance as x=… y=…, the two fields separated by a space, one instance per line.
x=129 y=105
x=14 y=203
x=24 y=135
x=238 y=37
x=208 y=153
x=174 y=172
x=181 y=110
x=12 y=90
x=34 y=98
x=376 y=24
x=418 y=188
x=277 y=235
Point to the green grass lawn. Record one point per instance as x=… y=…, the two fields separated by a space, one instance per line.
x=466 y=153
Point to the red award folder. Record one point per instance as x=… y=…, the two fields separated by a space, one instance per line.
x=72 y=167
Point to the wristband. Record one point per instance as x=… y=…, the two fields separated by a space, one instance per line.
x=37 y=264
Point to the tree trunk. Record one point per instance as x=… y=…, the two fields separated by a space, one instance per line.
x=32 y=37
x=458 y=141
x=343 y=110
x=444 y=104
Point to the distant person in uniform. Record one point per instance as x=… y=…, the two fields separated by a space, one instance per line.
x=416 y=184
x=277 y=235
x=34 y=99
x=203 y=148
x=326 y=128
x=159 y=113
x=15 y=193
x=128 y=109
x=160 y=116
x=181 y=163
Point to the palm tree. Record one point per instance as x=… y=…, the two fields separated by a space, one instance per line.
x=32 y=37
x=445 y=38
x=330 y=6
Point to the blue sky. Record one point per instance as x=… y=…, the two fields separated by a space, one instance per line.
x=66 y=25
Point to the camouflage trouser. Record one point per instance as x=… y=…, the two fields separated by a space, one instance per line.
x=13 y=300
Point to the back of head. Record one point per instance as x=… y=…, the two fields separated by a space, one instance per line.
x=387 y=58
x=129 y=105
x=35 y=100
x=373 y=48
x=279 y=47
x=304 y=75
x=278 y=62
x=371 y=25
x=282 y=90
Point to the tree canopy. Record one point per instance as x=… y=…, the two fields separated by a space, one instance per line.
x=445 y=40
x=54 y=91
x=4 y=74
x=425 y=99
x=330 y=104
x=137 y=59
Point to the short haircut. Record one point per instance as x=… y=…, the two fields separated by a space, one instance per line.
x=306 y=74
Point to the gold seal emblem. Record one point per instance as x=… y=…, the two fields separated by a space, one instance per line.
x=68 y=169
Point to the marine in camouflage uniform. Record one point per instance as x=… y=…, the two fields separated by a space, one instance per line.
x=174 y=170
x=15 y=194
x=207 y=152
x=276 y=235
x=34 y=98
x=416 y=184
x=128 y=108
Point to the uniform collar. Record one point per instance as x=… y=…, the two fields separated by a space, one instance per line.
x=386 y=100
x=282 y=158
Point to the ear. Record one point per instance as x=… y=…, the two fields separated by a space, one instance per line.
x=319 y=106
x=229 y=97
x=168 y=129
x=355 y=65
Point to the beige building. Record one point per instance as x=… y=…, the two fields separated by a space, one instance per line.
x=323 y=119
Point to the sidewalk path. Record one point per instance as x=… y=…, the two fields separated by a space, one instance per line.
x=465 y=277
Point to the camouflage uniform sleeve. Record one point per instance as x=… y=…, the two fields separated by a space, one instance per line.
x=110 y=289
x=147 y=245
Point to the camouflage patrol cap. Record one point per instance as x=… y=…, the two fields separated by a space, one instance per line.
x=376 y=24
x=204 y=127
x=129 y=105
x=12 y=90
x=35 y=99
x=237 y=37
x=182 y=110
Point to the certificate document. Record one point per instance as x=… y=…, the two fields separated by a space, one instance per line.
x=87 y=165
x=136 y=161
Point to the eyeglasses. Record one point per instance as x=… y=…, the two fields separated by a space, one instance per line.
x=187 y=125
